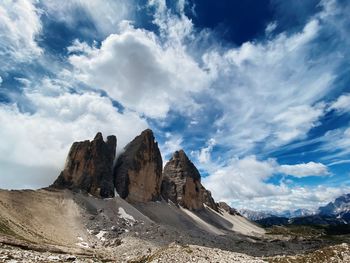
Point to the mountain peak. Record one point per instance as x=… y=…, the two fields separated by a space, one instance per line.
x=182 y=183
x=89 y=167
x=138 y=171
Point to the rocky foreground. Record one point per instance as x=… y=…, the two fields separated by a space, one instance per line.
x=181 y=253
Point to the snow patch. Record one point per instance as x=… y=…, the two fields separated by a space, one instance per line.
x=125 y=215
x=83 y=244
x=53 y=258
x=101 y=234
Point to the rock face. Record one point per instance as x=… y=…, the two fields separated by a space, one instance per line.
x=185 y=180
x=182 y=183
x=208 y=199
x=228 y=208
x=168 y=190
x=89 y=167
x=138 y=171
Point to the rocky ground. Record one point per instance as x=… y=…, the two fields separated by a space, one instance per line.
x=178 y=253
x=63 y=226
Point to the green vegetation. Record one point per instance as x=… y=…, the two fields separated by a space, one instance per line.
x=297 y=231
x=5 y=229
x=326 y=255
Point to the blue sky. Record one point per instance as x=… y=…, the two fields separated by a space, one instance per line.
x=256 y=92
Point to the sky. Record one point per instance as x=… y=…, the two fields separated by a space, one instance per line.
x=257 y=93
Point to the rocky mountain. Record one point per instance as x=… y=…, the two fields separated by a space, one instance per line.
x=296 y=213
x=89 y=167
x=335 y=213
x=227 y=208
x=339 y=207
x=254 y=215
x=138 y=174
x=259 y=215
x=138 y=171
x=182 y=184
x=332 y=214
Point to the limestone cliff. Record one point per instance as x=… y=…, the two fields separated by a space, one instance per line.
x=182 y=183
x=138 y=171
x=89 y=167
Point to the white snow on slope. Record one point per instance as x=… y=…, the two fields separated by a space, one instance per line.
x=125 y=215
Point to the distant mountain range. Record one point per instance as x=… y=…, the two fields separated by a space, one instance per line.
x=334 y=213
x=340 y=207
x=254 y=215
x=259 y=215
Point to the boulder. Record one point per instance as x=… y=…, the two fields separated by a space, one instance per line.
x=89 y=167
x=138 y=171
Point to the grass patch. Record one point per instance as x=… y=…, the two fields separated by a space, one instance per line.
x=5 y=229
x=297 y=231
x=327 y=254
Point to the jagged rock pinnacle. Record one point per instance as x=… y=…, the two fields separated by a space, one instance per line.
x=181 y=183
x=89 y=167
x=138 y=171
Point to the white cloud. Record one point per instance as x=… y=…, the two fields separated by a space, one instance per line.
x=244 y=181
x=36 y=144
x=269 y=91
x=19 y=26
x=296 y=121
x=105 y=14
x=142 y=74
x=342 y=104
x=270 y=27
x=298 y=197
x=0 y=80
x=204 y=153
x=174 y=29
x=304 y=169
x=173 y=143
x=336 y=143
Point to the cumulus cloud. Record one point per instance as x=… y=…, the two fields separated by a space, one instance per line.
x=135 y=69
x=304 y=169
x=247 y=179
x=37 y=143
x=19 y=26
x=243 y=178
x=297 y=197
